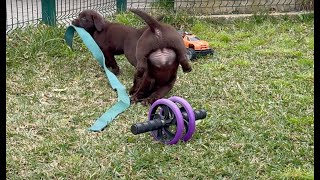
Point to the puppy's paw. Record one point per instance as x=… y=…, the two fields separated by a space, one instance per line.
x=75 y=22
x=134 y=99
x=140 y=71
x=186 y=68
x=132 y=91
x=149 y=101
x=146 y=102
x=115 y=71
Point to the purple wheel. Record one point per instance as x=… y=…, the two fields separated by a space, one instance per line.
x=190 y=123
x=166 y=109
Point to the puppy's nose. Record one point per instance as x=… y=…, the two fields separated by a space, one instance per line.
x=75 y=22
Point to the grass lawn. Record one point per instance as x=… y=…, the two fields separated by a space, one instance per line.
x=257 y=88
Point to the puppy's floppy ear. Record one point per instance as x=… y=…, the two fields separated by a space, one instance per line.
x=98 y=22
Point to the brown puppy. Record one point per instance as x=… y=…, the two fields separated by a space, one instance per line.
x=112 y=38
x=159 y=51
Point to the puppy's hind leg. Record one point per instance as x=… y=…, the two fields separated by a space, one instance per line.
x=182 y=57
x=137 y=81
x=136 y=84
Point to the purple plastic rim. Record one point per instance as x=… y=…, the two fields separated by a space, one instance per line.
x=177 y=113
x=191 y=116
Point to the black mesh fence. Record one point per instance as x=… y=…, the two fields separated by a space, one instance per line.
x=21 y=13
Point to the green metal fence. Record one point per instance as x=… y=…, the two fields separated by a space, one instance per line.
x=21 y=13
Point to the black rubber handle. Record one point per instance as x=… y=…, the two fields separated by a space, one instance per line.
x=199 y=114
x=157 y=123
x=147 y=126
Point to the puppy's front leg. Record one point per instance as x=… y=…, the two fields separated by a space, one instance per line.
x=142 y=62
x=141 y=69
x=160 y=92
x=111 y=62
x=182 y=58
x=136 y=83
x=142 y=87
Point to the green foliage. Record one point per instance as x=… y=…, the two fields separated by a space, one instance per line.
x=165 y=4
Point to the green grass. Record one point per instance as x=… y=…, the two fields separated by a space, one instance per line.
x=257 y=89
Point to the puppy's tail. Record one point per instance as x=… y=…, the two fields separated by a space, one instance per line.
x=152 y=23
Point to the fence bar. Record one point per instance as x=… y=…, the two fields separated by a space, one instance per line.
x=121 y=5
x=49 y=12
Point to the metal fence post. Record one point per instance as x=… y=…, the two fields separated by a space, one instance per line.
x=121 y=5
x=49 y=12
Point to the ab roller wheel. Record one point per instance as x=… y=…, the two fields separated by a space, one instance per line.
x=170 y=120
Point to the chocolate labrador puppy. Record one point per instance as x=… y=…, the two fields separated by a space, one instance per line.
x=112 y=38
x=160 y=50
